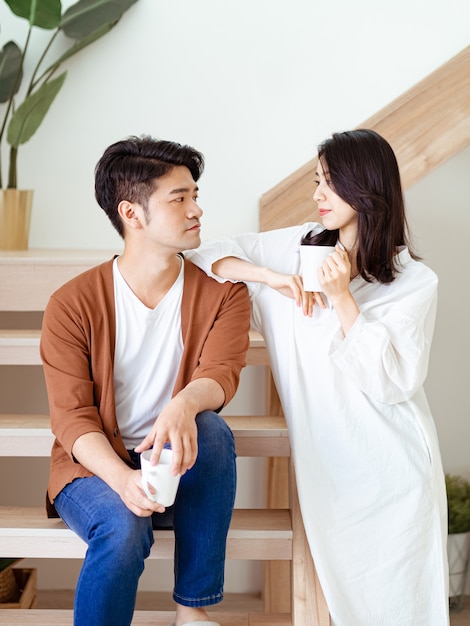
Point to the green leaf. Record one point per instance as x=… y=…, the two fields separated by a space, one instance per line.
x=10 y=70
x=42 y=13
x=79 y=45
x=87 y=16
x=28 y=117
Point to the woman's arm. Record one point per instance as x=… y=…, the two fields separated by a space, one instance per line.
x=289 y=285
x=248 y=256
x=386 y=351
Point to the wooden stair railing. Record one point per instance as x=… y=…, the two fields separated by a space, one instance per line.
x=262 y=534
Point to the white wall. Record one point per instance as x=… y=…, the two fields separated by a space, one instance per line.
x=439 y=209
x=255 y=85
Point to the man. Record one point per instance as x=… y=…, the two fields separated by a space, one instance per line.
x=142 y=351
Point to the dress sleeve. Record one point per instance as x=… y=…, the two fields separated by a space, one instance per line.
x=245 y=247
x=386 y=353
x=276 y=249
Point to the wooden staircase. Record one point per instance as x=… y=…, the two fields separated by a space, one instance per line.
x=262 y=534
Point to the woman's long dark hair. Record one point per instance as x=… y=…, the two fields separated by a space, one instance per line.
x=360 y=167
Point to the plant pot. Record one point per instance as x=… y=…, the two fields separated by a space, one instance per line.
x=458 y=553
x=15 y=218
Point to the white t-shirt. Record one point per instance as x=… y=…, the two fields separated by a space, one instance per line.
x=148 y=353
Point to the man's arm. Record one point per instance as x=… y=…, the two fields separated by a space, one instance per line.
x=75 y=417
x=176 y=423
x=94 y=452
x=216 y=340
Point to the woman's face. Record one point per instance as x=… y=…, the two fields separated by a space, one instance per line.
x=334 y=212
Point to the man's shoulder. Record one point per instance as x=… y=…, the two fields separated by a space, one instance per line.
x=87 y=283
x=206 y=294
x=195 y=274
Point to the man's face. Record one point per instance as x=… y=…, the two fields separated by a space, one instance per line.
x=172 y=219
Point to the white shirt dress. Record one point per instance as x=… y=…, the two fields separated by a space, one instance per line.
x=366 y=454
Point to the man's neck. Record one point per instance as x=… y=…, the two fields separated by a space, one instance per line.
x=149 y=277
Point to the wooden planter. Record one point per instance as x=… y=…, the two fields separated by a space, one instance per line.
x=458 y=551
x=15 y=218
x=26 y=580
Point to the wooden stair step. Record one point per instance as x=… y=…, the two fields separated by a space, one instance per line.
x=255 y=436
x=29 y=277
x=25 y=435
x=21 y=347
x=255 y=534
x=59 y=617
x=257 y=352
x=260 y=435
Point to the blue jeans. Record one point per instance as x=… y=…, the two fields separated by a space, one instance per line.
x=119 y=541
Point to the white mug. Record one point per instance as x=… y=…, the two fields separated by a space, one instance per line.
x=159 y=476
x=311 y=258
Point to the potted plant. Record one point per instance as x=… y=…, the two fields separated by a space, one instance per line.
x=25 y=108
x=458 y=541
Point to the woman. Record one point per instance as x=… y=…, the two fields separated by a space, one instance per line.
x=350 y=377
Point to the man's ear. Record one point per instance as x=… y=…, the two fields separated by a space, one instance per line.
x=130 y=213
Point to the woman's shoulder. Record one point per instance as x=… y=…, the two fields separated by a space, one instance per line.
x=414 y=273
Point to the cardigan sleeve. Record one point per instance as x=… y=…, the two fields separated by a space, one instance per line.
x=216 y=324
x=224 y=352
x=66 y=364
x=77 y=350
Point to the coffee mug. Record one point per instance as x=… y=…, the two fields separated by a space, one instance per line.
x=160 y=477
x=311 y=258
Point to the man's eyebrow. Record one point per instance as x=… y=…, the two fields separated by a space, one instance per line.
x=185 y=189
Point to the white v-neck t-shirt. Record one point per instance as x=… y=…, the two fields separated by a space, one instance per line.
x=148 y=352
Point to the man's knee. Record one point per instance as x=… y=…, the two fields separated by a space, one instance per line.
x=213 y=431
x=127 y=533
x=99 y=516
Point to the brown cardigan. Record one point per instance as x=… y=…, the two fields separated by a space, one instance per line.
x=77 y=350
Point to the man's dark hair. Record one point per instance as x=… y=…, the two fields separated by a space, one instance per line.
x=130 y=169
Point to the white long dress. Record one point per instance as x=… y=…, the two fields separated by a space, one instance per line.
x=369 y=472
